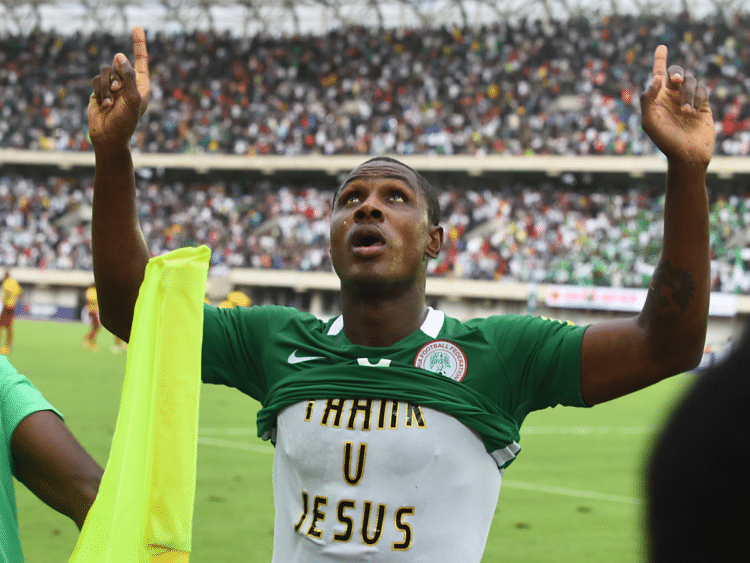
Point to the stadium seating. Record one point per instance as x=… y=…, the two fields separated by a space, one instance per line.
x=511 y=88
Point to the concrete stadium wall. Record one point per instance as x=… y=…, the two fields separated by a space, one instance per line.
x=552 y=165
x=55 y=294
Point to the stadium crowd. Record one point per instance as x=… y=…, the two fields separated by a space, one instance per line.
x=525 y=87
x=522 y=87
x=556 y=232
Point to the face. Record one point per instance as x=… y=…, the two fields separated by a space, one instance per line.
x=379 y=228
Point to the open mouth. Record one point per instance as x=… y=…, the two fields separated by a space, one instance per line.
x=367 y=241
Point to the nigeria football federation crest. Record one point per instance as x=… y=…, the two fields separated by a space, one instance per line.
x=443 y=357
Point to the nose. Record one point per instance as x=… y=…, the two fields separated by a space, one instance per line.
x=368 y=210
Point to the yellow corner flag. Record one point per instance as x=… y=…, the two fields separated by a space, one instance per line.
x=144 y=510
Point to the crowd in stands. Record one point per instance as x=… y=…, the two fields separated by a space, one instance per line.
x=514 y=87
x=557 y=232
x=525 y=87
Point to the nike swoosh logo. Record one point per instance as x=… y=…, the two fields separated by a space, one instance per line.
x=295 y=359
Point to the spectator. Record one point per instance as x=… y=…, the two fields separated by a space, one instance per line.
x=513 y=87
x=558 y=231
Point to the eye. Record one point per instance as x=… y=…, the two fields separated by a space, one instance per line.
x=397 y=196
x=346 y=197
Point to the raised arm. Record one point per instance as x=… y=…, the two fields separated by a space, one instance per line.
x=668 y=336
x=54 y=466
x=119 y=98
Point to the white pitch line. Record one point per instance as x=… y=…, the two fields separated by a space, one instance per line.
x=241 y=431
x=235 y=445
x=569 y=492
x=586 y=430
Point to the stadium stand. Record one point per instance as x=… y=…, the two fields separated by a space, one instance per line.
x=550 y=231
x=446 y=93
x=513 y=87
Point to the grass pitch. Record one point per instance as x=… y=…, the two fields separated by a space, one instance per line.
x=574 y=493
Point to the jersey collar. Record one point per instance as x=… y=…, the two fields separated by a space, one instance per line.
x=431 y=326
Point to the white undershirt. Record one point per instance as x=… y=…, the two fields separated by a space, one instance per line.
x=425 y=476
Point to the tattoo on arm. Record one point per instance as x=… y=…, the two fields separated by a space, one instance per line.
x=672 y=287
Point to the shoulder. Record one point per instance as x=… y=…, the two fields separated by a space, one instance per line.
x=9 y=376
x=10 y=379
x=524 y=329
x=268 y=315
x=517 y=322
x=18 y=397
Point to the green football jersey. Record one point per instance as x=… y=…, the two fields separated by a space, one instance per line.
x=488 y=373
x=19 y=398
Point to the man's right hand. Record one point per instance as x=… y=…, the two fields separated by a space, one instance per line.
x=120 y=96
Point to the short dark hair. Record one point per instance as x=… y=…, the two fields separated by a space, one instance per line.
x=427 y=189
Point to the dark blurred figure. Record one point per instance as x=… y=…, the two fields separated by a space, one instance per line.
x=698 y=477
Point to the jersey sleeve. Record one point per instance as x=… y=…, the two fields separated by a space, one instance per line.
x=239 y=343
x=230 y=356
x=19 y=399
x=542 y=362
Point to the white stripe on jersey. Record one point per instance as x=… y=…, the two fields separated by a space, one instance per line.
x=431 y=326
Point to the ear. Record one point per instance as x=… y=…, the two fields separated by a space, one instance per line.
x=435 y=241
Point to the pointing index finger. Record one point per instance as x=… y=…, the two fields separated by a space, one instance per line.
x=660 y=63
x=140 y=53
x=140 y=64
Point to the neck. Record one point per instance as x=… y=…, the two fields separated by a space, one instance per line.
x=382 y=321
